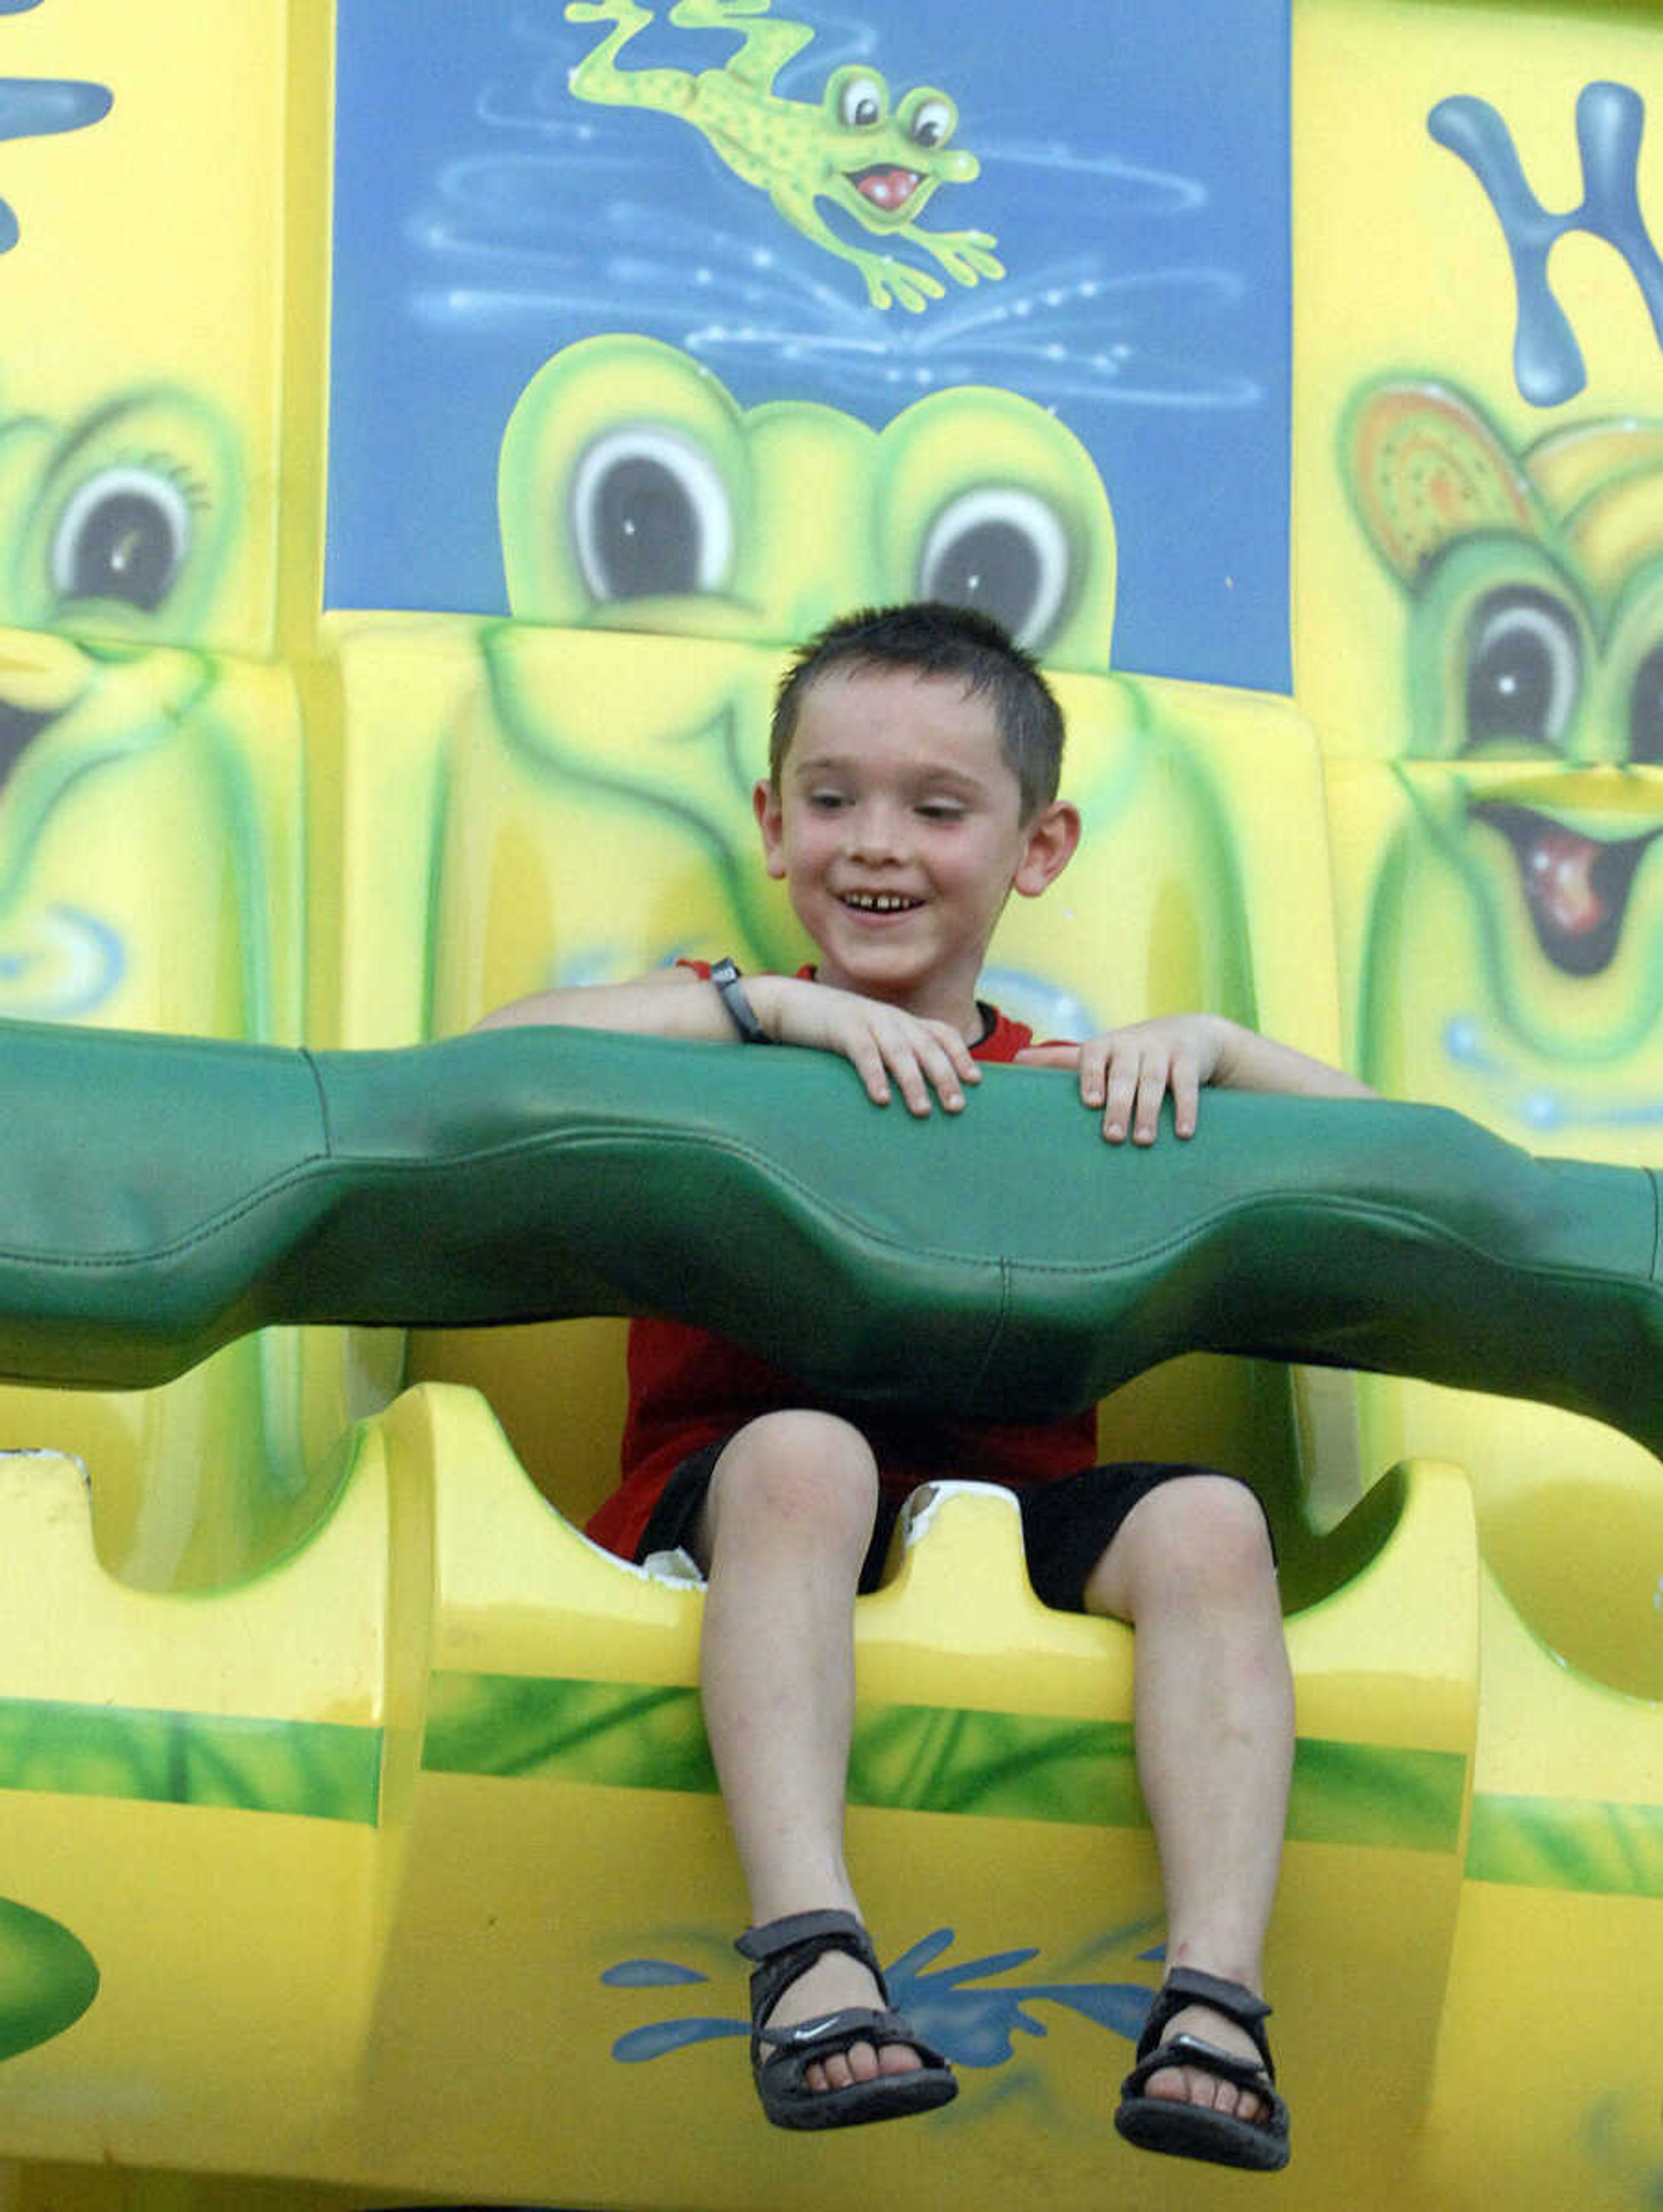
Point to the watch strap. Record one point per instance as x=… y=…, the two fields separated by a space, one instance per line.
x=724 y=973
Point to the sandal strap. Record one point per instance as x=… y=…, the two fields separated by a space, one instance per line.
x=1192 y=2050
x=1187 y=1985
x=826 y=1931
x=832 y=2032
x=784 y=1949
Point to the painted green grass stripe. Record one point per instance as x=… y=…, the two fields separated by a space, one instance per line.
x=1004 y=1766
x=1605 y=1850
x=1385 y=1795
x=926 y=1758
x=322 y=1770
x=622 y=1736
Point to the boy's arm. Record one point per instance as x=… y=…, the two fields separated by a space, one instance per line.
x=882 y=1044
x=1127 y=1073
x=672 y=1002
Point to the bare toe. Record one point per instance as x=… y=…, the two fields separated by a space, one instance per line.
x=1194 y=2085
x=835 y=1983
x=898 y=2058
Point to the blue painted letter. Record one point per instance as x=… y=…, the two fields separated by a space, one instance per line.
x=1547 y=362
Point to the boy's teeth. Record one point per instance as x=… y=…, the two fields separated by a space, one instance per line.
x=878 y=902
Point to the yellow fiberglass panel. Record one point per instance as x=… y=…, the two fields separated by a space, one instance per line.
x=150 y=271
x=593 y=817
x=534 y=1689
x=188 y=1809
x=151 y=839
x=1479 y=561
x=1479 y=550
x=1457 y=336
x=986 y=1737
x=152 y=858
x=158 y=469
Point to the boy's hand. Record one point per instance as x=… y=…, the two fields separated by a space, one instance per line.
x=880 y=1041
x=1127 y=1073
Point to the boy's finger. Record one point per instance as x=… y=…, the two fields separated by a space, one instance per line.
x=958 y=1052
x=902 y=1064
x=1186 y=1097
x=867 y=1063
x=1094 y=1074
x=1049 y=1056
x=1151 y=1090
x=1119 y=1093
x=942 y=1069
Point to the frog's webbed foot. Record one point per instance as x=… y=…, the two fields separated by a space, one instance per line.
x=712 y=15
x=887 y=279
x=967 y=256
x=598 y=76
x=768 y=46
x=629 y=15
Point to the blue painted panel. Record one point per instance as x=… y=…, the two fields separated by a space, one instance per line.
x=1132 y=167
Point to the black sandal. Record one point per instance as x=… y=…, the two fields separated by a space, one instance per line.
x=1166 y=2124
x=783 y=1951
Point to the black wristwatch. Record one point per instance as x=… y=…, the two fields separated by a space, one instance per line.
x=725 y=976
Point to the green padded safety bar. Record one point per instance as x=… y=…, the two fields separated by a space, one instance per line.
x=161 y=1195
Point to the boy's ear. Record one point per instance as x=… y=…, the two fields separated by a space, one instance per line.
x=1052 y=838
x=766 y=804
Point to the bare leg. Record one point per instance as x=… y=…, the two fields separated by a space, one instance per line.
x=1192 y=1569
x=787 y=1522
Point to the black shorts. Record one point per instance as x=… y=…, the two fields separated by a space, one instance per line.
x=1067 y=1525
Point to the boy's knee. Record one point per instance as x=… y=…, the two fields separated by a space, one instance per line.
x=810 y=1469
x=1204 y=1533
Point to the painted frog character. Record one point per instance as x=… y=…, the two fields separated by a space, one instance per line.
x=151 y=876
x=879 y=168
x=1502 y=856
x=1513 y=969
x=118 y=579
x=664 y=547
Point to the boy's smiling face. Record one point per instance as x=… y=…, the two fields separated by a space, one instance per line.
x=898 y=828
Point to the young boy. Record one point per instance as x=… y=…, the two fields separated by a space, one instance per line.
x=912 y=780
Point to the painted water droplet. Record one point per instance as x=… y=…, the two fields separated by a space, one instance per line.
x=649 y=1974
x=663 y=2037
x=41 y=108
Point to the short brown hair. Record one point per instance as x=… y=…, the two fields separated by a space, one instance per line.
x=933 y=639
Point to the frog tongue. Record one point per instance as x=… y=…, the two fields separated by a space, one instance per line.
x=1576 y=887
x=888 y=189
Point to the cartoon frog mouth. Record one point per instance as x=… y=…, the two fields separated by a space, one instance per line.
x=1576 y=887
x=19 y=727
x=887 y=188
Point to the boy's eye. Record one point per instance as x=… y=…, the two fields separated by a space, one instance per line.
x=941 y=810
x=825 y=802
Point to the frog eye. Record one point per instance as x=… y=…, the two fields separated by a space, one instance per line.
x=1645 y=710
x=860 y=102
x=1524 y=669
x=932 y=122
x=1003 y=550
x=124 y=535
x=651 y=515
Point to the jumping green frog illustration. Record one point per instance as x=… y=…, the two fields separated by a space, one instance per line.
x=879 y=167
